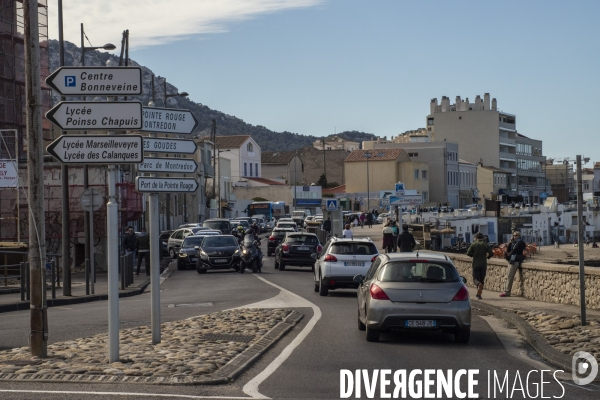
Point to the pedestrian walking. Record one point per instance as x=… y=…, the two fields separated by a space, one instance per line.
x=362 y=220
x=129 y=241
x=480 y=252
x=370 y=219
x=347 y=232
x=515 y=257
x=406 y=241
x=395 y=232
x=327 y=226
x=397 y=214
x=143 y=251
x=388 y=238
x=355 y=221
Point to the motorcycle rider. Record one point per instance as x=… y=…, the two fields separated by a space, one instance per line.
x=255 y=230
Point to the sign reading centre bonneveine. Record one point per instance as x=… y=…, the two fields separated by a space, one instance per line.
x=96 y=81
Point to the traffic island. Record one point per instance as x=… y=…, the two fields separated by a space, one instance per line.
x=208 y=349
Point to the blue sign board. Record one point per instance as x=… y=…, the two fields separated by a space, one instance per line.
x=331 y=205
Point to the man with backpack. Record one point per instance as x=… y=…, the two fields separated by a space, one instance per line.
x=514 y=256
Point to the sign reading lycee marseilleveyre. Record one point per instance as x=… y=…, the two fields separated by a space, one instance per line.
x=83 y=115
x=98 y=149
x=94 y=81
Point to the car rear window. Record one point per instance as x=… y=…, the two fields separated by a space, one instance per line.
x=353 y=248
x=192 y=241
x=279 y=234
x=309 y=239
x=422 y=271
x=222 y=226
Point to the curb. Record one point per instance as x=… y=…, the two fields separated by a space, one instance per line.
x=225 y=374
x=535 y=339
x=24 y=305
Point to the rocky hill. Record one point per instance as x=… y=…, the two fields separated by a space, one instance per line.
x=267 y=139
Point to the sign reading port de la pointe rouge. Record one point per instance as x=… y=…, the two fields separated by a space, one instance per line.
x=91 y=115
x=155 y=185
x=169 y=120
x=96 y=81
x=98 y=149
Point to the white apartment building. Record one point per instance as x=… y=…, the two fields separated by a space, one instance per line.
x=243 y=153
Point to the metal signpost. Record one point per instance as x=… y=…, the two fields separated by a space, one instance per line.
x=151 y=164
x=155 y=185
x=107 y=81
x=177 y=146
x=169 y=120
x=91 y=200
x=98 y=149
x=83 y=115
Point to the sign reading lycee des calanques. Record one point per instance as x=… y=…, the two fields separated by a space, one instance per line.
x=98 y=149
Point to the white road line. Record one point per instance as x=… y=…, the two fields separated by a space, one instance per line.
x=251 y=388
x=146 y=395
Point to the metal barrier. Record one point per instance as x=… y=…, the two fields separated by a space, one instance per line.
x=6 y=276
x=126 y=269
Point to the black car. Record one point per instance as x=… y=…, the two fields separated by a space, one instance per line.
x=163 y=239
x=188 y=253
x=220 y=224
x=277 y=235
x=296 y=249
x=219 y=252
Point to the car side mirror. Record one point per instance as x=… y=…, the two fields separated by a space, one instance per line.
x=358 y=279
x=314 y=256
x=463 y=279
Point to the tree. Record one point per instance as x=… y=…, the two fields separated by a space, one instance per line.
x=322 y=180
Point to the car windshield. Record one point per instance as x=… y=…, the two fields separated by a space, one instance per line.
x=199 y=228
x=308 y=239
x=248 y=239
x=243 y=223
x=353 y=248
x=279 y=234
x=418 y=271
x=222 y=226
x=192 y=241
x=219 y=241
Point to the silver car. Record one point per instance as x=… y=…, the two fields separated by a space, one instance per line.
x=413 y=291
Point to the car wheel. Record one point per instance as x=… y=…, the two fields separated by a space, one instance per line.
x=462 y=336
x=201 y=270
x=281 y=265
x=172 y=253
x=323 y=290
x=236 y=268
x=361 y=326
x=372 y=334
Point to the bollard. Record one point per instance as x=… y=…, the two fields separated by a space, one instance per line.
x=87 y=276
x=53 y=277
x=122 y=262
x=23 y=277
x=131 y=268
x=28 y=283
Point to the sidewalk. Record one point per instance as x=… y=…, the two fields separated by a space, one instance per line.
x=554 y=330
x=11 y=301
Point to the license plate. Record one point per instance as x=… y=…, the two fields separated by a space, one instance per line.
x=192 y=259
x=220 y=260
x=354 y=264
x=419 y=323
x=303 y=248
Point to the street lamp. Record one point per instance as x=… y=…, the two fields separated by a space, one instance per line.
x=219 y=178
x=295 y=181
x=367 y=155
x=168 y=197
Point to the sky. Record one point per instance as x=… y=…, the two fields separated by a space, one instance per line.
x=317 y=67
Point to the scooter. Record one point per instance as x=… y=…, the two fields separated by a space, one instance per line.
x=251 y=256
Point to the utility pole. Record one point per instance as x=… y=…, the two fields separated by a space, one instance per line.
x=580 y=240
x=64 y=177
x=86 y=182
x=38 y=337
x=324 y=161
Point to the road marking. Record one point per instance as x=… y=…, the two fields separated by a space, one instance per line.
x=146 y=395
x=251 y=388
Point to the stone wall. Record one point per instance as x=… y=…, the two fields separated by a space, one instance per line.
x=550 y=283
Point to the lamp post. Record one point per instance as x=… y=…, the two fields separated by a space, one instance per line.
x=86 y=183
x=219 y=179
x=295 y=181
x=367 y=155
x=165 y=98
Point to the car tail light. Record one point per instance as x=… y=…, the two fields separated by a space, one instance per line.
x=374 y=258
x=332 y=283
x=319 y=248
x=272 y=238
x=377 y=293
x=286 y=248
x=462 y=294
x=330 y=257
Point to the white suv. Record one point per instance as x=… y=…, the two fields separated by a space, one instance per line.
x=340 y=260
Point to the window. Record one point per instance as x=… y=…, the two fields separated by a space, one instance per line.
x=413 y=154
x=250 y=169
x=425 y=196
x=245 y=169
x=416 y=174
x=250 y=148
x=586 y=185
x=429 y=121
x=409 y=271
x=424 y=174
x=256 y=168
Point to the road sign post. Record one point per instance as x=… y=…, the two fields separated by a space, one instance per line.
x=91 y=200
x=169 y=120
x=171 y=185
x=84 y=115
x=331 y=204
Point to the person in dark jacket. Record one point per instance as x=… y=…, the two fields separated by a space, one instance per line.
x=515 y=257
x=143 y=250
x=480 y=252
x=406 y=241
x=327 y=225
x=129 y=241
x=370 y=219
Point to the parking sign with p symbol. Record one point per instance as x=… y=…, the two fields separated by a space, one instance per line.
x=70 y=81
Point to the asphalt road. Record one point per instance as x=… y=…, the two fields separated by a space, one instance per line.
x=311 y=371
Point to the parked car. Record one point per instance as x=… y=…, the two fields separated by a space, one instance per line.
x=341 y=260
x=296 y=249
x=176 y=239
x=220 y=224
x=237 y=222
x=188 y=253
x=277 y=235
x=218 y=252
x=286 y=224
x=163 y=239
x=413 y=291
x=381 y=216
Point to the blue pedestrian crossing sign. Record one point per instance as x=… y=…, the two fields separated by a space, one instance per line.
x=332 y=205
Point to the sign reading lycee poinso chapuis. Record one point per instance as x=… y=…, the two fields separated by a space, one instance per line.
x=84 y=115
x=98 y=149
